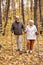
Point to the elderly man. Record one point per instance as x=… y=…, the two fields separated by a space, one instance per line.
x=17 y=28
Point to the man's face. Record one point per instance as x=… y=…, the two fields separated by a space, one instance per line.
x=17 y=19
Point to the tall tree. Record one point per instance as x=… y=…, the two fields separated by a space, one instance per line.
x=41 y=17
x=31 y=7
x=22 y=3
x=0 y=18
x=7 y=10
x=19 y=6
x=40 y=10
x=35 y=13
x=14 y=9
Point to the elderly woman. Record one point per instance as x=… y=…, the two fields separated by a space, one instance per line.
x=31 y=32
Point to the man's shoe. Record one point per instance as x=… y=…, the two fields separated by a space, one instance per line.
x=20 y=52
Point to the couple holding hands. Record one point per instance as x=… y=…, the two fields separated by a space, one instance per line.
x=30 y=31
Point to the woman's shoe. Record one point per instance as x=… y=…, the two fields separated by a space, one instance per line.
x=27 y=51
x=31 y=51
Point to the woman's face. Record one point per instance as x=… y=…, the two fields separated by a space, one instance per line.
x=31 y=23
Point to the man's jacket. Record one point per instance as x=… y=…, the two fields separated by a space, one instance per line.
x=17 y=28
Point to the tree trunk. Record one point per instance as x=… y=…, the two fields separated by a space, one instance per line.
x=41 y=17
x=14 y=10
x=40 y=10
x=31 y=7
x=0 y=18
x=35 y=13
x=7 y=10
x=23 y=11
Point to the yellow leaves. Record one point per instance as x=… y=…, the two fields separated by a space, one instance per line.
x=9 y=44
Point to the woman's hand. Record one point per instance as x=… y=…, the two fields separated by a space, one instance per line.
x=36 y=33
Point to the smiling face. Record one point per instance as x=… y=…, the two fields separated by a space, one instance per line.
x=31 y=23
x=17 y=19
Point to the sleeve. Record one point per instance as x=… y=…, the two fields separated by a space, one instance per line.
x=26 y=29
x=36 y=29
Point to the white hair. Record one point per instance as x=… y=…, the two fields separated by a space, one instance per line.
x=17 y=16
x=31 y=21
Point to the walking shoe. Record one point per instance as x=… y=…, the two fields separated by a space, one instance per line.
x=31 y=51
x=27 y=51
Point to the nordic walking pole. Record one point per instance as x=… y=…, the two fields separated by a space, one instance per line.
x=24 y=41
x=38 y=45
x=11 y=43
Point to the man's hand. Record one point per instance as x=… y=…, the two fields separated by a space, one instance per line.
x=25 y=31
